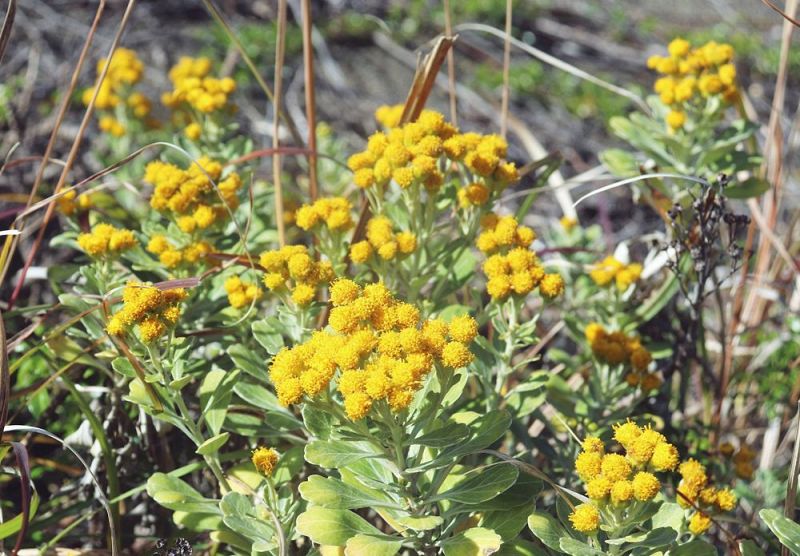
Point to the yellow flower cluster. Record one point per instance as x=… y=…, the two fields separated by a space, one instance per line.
x=264 y=460
x=70 y=202
x=382 y=240
x=617 y=348
x=332 y=212
x=742 y=459
x=613 y=481
x=241 y=293
x=124 y=70
x=190 y=195
x=292 y=268
x=690 y=74
x=612 y=270
x=105 y=239
x=696 y=492
x=380 y=347
x=172 y=256
x=153 y=310
x=418 y=152
x=512 y=268
x=193 y=85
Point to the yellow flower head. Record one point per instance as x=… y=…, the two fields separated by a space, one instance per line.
x=585 y=518
x=645 y=486
x=622 y=492
x=241 y=293
x=699 y=524
x=330 y=212
x=154 y=310
x=598 y=488
x=615 y=467
x=588 y=465
x=106 y=240
x=264 y=460
x=378 y=345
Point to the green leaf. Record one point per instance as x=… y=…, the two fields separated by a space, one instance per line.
x=197 y=522
x=338 y=453
x=179 y=383
x=751 y=187
x=476 y=541
x=694 y=548
x=332 y=527
x=215 y=396
x=669 y=515
x=506 y=523
x=175 y=494
x=333 y=493
x=528 y=396
x=249 y=361
x=574 y=547
x=750 y=548
x=482 y=484
x=371 y=545
x=123 y=367
x=319 y=423
x=485 y=431
x=240 y=516
x=267 y=333
x=522 y=548
x=213 y=444
x=547 y=529
x=424 y=523
x=289 y=465
x=655 y=538
x=787 y=531
x=446 y=435
x=620 y=163
x=11 y=526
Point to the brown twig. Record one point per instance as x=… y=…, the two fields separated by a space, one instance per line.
x=506 y=70
x=280 y=43
x=311 y=106
x=783 y=14
x=451 y=66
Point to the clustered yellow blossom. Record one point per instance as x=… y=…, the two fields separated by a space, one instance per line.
x=512 y=268
x=742 y=459
x=293 y=269
x=190 y=195
x=380 y=347
x=171 y=256
x=419 y=153
x=692 y=74
x=618 y=348
x=613 y=481
x=241 y=293
x=193 y=85
x=331 y=212
x=264 y=460
x=382 y=239
x=153 y=310
x=70 y=202
x=105 y=239
x=695 y=491
x=612 y=270
x=124 y=71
